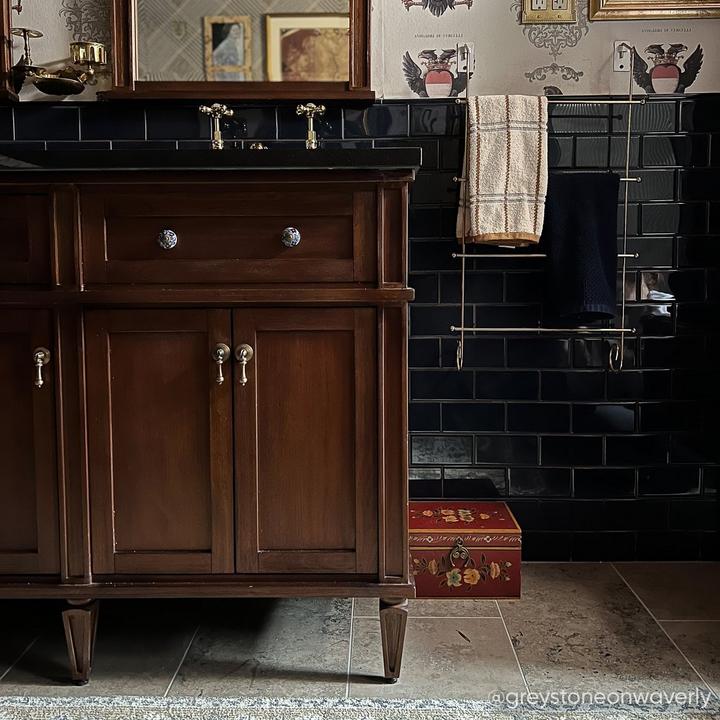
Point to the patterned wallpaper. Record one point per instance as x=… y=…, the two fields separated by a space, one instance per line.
x=409 y=34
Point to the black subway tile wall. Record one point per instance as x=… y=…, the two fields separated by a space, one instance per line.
x=596 y=465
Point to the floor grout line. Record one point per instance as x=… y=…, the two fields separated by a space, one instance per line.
x=512 y=647
x=438 y=617
x=667 y=635
x=350 y=648
x=19 y=657
x=182 y=660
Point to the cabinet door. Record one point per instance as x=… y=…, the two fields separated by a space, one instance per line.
x=159 y=434
x=306 y=441
x=28 y=471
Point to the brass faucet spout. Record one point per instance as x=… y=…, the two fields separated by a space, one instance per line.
x=310 y=110
x=217 y=112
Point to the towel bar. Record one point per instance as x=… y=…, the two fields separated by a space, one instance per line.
x=557 y=331
x=633 y=256
x=617 y=350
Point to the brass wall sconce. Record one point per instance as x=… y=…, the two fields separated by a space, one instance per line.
x=87 y=61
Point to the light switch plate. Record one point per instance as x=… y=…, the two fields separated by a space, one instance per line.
x=549 y=11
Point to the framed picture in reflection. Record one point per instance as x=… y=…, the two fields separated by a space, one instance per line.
x=228 y=49
x=310 y=47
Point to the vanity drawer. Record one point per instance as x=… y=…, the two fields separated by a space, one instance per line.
x=228 y=234
x=25 y=238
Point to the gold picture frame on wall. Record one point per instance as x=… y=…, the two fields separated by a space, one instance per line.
x=653 y=9
x=227 y=40
x=307 y=47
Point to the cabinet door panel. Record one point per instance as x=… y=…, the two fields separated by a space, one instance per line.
x=28 y=471
x=306 y=464
x=160 y=442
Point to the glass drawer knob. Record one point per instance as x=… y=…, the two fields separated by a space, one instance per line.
x=167 y=239
x=290 y=237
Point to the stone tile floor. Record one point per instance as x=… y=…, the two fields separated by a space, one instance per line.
x=579 y=627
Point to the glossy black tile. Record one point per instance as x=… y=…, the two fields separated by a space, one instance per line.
x=538 y=417
x=711 y=481
x=657 y=417
x=476 y=416
x=664 y=218
x=638 y=385
x=423 y=352
x=538 y=352
x=436 y=119
x=436 y=319
x=479 y=287
x=560 y=152
x=547 y=546
x=694 y=384
x=543 y=514
x=604 y=483
x=665 y=286
x=144 y=144
x=700 y=184
x=506 y=449
x=425 y=489
x=636 y=514
x=377 y=120
x=441 y=449
x=424 y=416
x=509 y=316
x=176 y=123
x=605 y=547
x=636 y=449
x=673 y=352
x=568 y=118
x=592 y=152
x=425 y=223
x=99 y=122
x=425 y=286
x=652 y=117
x=573 y=385
x=40 y=121
x=434 y=188
x=452 y=150
x=677 y=545
x=431 y=255
x=700 y=114
x=475 y=483
x=669 y=480
x=538 y=482
x=509 y=385
x=696 y=447
x=6 y=124
x=654 y=185
x=676 y=150
x=694 y=515
x=697 y=317
x=479 y=352
x=441 y=384
x=594 y=352
x=524 y=287
x=652 y=251
x=571 y=450
x=648 y=320
x=603 y=418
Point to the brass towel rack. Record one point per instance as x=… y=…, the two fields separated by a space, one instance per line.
x=616 y=357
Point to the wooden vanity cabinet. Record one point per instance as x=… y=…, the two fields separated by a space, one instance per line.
x=229 y=434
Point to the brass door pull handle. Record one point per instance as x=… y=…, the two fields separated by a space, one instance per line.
x=243 y=354
x=41 y=357
x=220 y=354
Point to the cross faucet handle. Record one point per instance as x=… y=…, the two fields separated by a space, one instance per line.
x=217 y=111
x=310 y=110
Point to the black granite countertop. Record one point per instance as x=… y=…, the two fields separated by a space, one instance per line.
x=230 y=159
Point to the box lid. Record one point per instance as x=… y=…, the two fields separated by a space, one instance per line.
x=442 y=516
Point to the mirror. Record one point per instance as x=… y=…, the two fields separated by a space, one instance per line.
x=238 y=49
x=243 y=40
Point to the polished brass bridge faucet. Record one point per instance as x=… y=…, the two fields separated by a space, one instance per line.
x=217 y=112
x=310 y=110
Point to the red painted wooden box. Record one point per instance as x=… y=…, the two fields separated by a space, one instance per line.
x=464 y=549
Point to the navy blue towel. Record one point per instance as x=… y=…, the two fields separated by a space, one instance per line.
x=580 y=239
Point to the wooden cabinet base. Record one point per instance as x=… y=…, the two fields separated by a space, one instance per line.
x=220 y=416
x=80 y=622
x=393 y=621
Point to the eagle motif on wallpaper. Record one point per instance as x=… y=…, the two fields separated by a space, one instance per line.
x=438 y=78
x=666 y=76
x=436 y=7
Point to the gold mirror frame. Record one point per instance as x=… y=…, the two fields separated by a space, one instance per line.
x=653 y=9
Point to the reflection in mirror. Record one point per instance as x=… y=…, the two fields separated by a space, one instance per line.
x=243 y=40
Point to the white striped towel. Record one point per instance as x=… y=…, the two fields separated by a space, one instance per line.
x=502 y=200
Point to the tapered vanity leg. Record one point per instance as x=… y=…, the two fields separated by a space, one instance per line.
x=80 y=621
x=393 y=620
